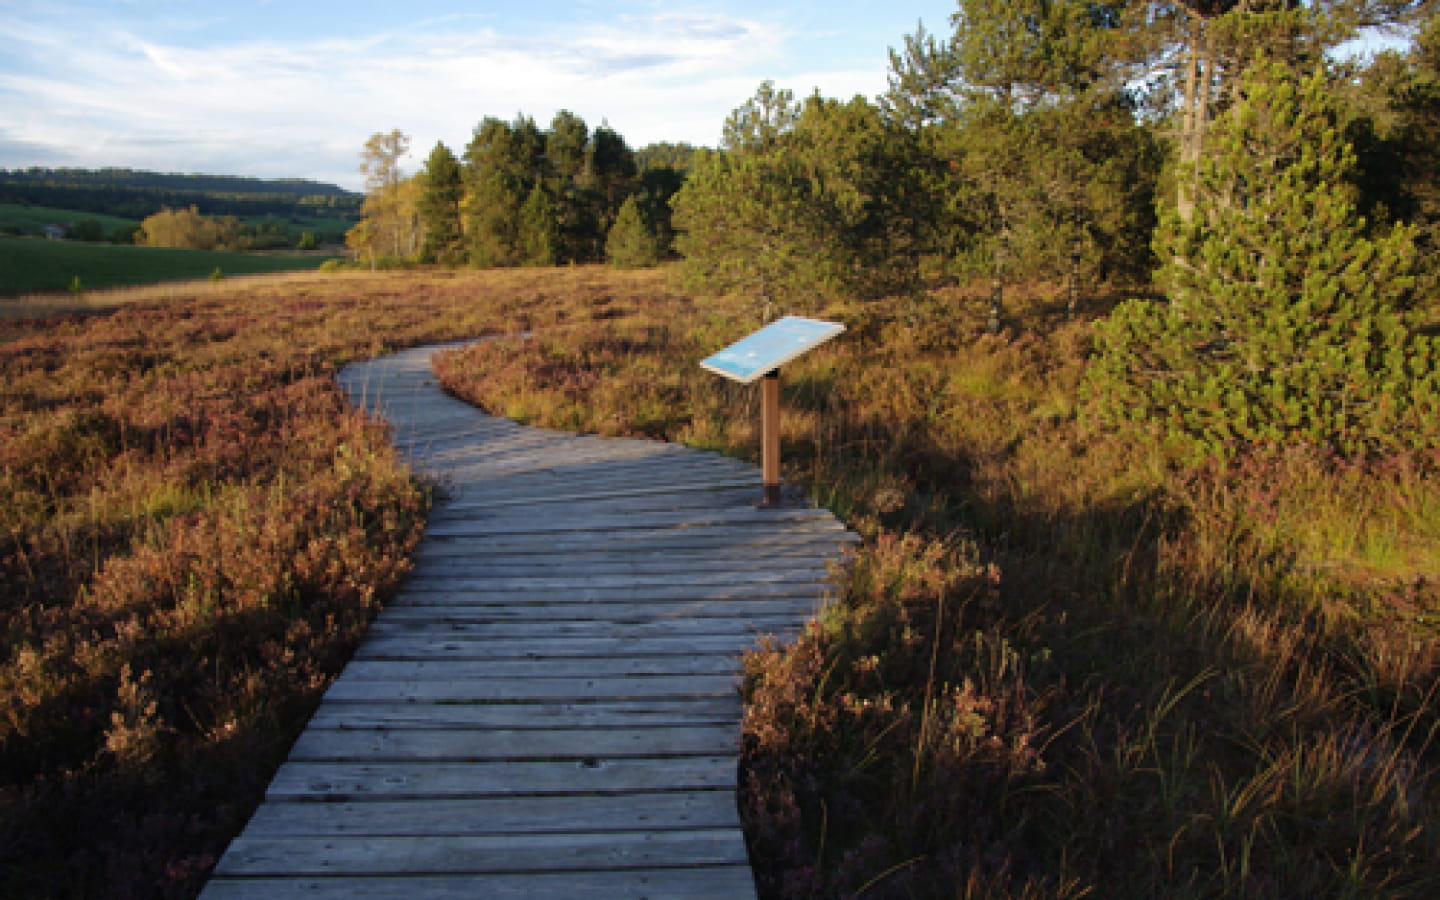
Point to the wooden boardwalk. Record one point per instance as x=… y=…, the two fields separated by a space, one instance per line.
x=549 y=708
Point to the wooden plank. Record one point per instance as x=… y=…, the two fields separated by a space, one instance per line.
x=683 y=711
x=533 y=563
x=652 y=541
x=549 y=630
x=746 y=551
x=659 y=811
x=490 y=608
x=560 y=687
x=733 y=882
x=599 y=474
x=613 y=475
x=529 y=478
x=613 y=478
x=716 y=666
x=455 y=745
x=333 y=781
x=731 y=490
x=452 y=591
x=762 y=572
x=558 y=451
x=524 y=548
x=719 y=668
x=554 y=450
x=677 y=580
x=481 y=854
x=426 y=647
x=690 y=503
x=546 y=521
x=601 y=565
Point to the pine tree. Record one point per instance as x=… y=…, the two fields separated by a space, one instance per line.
x=631 y=243
x=1417 y=107
x=565 y=146
x=439 y=207
x=1282 y=324
x=502 y=162
x=812 y=203
x=1025 y=120
x=750 y=223
x=607 y=178
x=537 y=238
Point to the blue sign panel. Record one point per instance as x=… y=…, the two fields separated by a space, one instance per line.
x=770 y=347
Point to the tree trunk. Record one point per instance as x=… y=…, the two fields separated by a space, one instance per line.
x=1194 y=118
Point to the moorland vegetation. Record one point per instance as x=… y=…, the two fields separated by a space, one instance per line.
x=1146 y=603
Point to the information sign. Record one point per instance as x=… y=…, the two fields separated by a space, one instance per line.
x=771 y=347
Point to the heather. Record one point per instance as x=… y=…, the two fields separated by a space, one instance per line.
x=196 y=529
x=1059 y=666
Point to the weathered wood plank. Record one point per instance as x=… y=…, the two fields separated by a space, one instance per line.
x=500 y=523
x=331 y=781
x=484 y=670
x=720 y=668
x=451 y=591
x=614 y=477
x=741 y=612
x=748 y=542
x=575 y=687
x=519 y=488
x=383 y=646
x=659 y=811
x=548 y=630
x=685 y=711
x=734 y=490
x=455 y=745
x=482 y=854
x=733 y=882
x=450 y=581
x=612 y=563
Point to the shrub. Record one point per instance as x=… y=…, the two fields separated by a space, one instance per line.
x=1283 y=319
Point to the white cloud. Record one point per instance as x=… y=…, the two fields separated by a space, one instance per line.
x=304 y=108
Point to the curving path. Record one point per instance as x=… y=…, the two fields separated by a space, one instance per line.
x=549 y=708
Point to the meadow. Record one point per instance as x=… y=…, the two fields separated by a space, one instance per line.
x=34 y=265
x=27 y=219
x=1056 y=668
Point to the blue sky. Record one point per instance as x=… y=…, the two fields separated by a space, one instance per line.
x=292 y=89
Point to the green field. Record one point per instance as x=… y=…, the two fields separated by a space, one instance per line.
x=30 y=219
x=26 y=219
x=32 y=265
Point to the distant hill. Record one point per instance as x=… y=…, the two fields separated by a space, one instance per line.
x=134 y=194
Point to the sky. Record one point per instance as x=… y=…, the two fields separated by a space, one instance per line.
x=293 y=89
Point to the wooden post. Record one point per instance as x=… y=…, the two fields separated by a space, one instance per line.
x=770 y=438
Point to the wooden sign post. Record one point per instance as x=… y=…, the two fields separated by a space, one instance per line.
x=759 y=356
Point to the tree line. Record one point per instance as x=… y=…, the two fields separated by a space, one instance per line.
x=1041 y=139
x=520 y=195
x=133 y=194
x=190 y=230
x=1185 y=147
